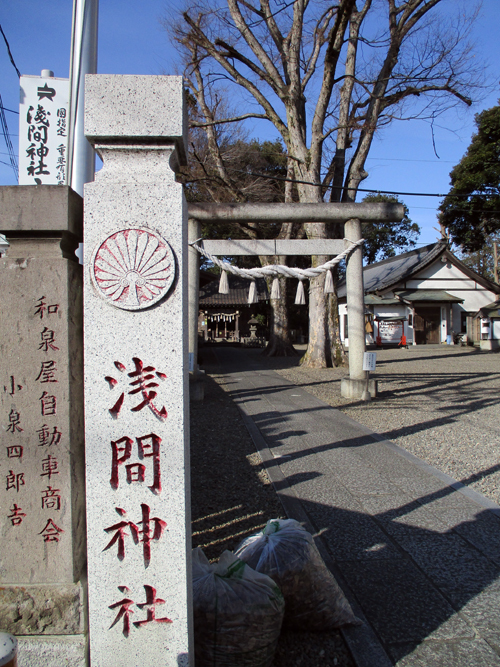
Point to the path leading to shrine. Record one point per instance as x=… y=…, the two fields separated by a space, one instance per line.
x=416 y=552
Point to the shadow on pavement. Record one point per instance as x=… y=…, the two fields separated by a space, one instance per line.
x=420 y=558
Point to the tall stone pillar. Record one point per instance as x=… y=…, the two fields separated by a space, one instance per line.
x=42 y=518
x=196 y=376
x=136 y=375
x=357 y=384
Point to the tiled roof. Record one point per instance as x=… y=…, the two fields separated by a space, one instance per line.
x=375 y=300
x=238 y=292
x=382 y=275
x=427 y=295
x=490 y=310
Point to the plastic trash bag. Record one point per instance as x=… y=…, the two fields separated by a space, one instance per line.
x=286 y=552
x=237 y=613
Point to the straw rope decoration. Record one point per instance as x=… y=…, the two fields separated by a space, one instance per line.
x=277 y=270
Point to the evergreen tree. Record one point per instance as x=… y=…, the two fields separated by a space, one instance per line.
x=385 y=240
x=471 y=210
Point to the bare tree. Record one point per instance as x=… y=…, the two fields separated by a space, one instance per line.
x=221 y=167
x=327 y=75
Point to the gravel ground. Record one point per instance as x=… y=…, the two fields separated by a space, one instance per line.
x=232 y=497
x=439 y=403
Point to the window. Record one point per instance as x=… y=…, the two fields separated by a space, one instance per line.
x=410 y=319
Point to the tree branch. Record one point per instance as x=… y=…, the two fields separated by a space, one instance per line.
x=255 y=45
x=228 y=120
x=231 y=52
x=199 y=37
x=335 y=42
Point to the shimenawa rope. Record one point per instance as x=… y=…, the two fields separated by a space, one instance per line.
x=277 y=270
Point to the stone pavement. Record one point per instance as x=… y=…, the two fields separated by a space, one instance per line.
x=417 y=553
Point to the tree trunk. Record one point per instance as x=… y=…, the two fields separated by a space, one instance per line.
x=319 y=349
x=318 y=354
x=280 y=344
x=339 y=355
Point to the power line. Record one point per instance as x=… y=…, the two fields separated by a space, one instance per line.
x=8 y=142
x=3 y=120
x=374 y=191
x=402 y=159
x=455 y=210
x=9 y=52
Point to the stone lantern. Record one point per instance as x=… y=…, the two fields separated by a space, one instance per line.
x=253 y=323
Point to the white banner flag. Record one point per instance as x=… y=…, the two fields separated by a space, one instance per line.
x=43 y=131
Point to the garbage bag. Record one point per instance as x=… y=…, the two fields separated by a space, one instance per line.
x=286 y=552
x=238 y=613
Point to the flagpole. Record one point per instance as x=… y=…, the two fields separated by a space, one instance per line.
x=81 y=157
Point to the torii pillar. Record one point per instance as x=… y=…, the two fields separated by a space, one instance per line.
x=356 y=385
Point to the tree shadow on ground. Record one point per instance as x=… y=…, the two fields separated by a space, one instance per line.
x=232 y=498
x=416 y=555
x=419 y=586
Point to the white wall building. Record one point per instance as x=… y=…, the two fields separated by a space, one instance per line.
x=425 y=295
x=489 y=317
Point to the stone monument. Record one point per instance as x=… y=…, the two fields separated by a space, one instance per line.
x=42 y=521
x=136 y=375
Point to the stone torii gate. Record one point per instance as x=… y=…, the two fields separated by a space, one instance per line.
x=351 y=215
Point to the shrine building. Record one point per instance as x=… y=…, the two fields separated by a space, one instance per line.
x=426 y=295
x=226 y=317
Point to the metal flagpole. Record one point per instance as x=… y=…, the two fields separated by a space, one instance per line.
x=81 y=157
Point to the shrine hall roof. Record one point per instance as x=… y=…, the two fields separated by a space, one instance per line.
x=427 y=295
x=392 y=272
x=383 y=275
x=238 y=292
x=490 y=310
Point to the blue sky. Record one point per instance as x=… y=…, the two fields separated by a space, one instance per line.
x=132 y=41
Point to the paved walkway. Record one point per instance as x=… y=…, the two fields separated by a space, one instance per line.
x=417 y=553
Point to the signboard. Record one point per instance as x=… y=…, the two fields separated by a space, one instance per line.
x=43 y=130
x=369 y=361
x=390 y=332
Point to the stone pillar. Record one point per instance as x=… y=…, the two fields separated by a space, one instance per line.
x=194 y=281
x=356 y=385
x=136 y=375
x=196 y=376
x=42 y=521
